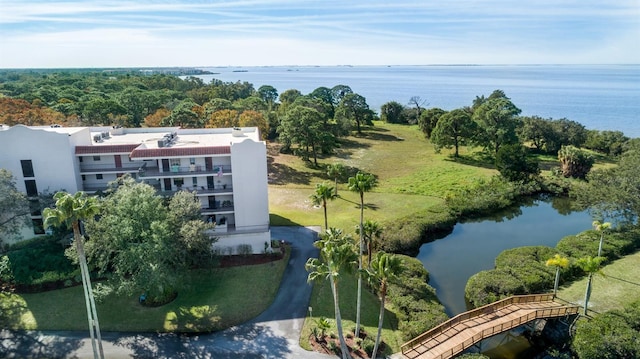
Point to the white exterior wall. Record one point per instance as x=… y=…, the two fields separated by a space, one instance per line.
x=229 y=245
x=52 y=155
x=250 y=191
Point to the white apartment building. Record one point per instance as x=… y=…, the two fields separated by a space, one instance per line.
x=225 y=168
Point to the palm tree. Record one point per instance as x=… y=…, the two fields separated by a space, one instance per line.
x=384 y=269
x=602 y=228
x=323 y=193
x=337 y=256
x=335 y=171
x=361 y=183
x=69 y=211
x=372 y=231
x=591 y=265
x=557 y=261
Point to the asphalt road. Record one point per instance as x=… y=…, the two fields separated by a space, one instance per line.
x=273 y=334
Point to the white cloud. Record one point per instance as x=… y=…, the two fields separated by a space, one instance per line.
x=279 y=32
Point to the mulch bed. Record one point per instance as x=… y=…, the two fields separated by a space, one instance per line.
x=322 y=345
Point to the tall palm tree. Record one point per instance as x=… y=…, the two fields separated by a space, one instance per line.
x=384 y=269
x=335 y=171
x=557 y=261
x=361 y=183
x=69 y=211
x=323 y=193
x=336 y=256
x=372 y=232
x=602 y=228
x=591 y=265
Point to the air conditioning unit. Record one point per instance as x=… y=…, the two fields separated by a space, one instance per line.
x=97 y=138
x=160 y=143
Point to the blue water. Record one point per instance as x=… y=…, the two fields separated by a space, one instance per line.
x=473 y=246
x=602 y=97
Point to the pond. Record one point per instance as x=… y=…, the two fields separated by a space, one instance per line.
x=473 y=245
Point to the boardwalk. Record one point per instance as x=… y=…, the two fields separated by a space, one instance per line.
x=466 y=329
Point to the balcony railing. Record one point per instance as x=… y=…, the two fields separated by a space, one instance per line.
x=109 y=168
x=177 y=171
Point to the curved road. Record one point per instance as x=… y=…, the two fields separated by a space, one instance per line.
x=273 y=334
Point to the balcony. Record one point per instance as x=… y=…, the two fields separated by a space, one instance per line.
x=224 y=207
x=109 y=168
x=177 y=171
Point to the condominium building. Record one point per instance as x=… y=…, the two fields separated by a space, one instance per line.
x=225 y=168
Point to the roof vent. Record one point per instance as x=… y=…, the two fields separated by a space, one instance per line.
x=237 y=132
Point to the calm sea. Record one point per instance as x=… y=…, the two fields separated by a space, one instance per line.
x=603 y=97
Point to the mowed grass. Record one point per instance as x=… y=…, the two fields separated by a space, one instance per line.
x=411 y=178
x=618 y=286
x=207 y=300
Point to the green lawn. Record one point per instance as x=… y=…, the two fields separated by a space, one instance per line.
x=411 y=178
x=618 y=286
x=207 y=300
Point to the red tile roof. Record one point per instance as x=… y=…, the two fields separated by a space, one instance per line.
x=90 y=150
x=180 y=152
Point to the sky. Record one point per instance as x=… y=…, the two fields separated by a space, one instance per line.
x=163 y=33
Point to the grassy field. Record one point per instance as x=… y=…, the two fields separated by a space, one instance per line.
x=208 y=300
x=618 y=286
x=411 y=178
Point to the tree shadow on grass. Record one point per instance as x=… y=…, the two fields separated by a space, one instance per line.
x=244 y=341
x=371 y=206
x=276 y=220
x=482 y=160
x=281 y=174
x=196 y=319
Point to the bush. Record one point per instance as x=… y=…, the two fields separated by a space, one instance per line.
x=245 y=250
x=523 y=270
x=612 y=334
x=37 y=262
x=417 y=306
x=405 y=235
x=367 y=345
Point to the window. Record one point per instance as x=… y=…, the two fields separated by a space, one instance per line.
x=27 y=168
x=194 y=181
x=38 y=227
x=178 y=181
x=98 y=176
x=34 y=207
x=192 y=161
x=175 y=162
x=96 y=158
x=32 y=189
x=84 y=178
x=80 y=159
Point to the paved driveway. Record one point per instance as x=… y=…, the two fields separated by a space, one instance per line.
x=273 y=334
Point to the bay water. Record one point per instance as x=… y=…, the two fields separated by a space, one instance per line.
x=602 y=97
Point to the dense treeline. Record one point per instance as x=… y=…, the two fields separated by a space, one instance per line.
x=307 y=125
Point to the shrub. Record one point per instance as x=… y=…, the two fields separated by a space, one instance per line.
x=405 y=235
x=367 y=345
x=612 y=334
x=417 y=306
x=523 y=271
x=244 y=250
x=37 y=262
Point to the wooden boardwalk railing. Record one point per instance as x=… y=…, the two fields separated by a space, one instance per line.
x=468 y=328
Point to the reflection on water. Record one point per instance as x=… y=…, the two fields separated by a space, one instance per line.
x=473 y=245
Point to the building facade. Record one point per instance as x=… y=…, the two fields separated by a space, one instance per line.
x=225 y=168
